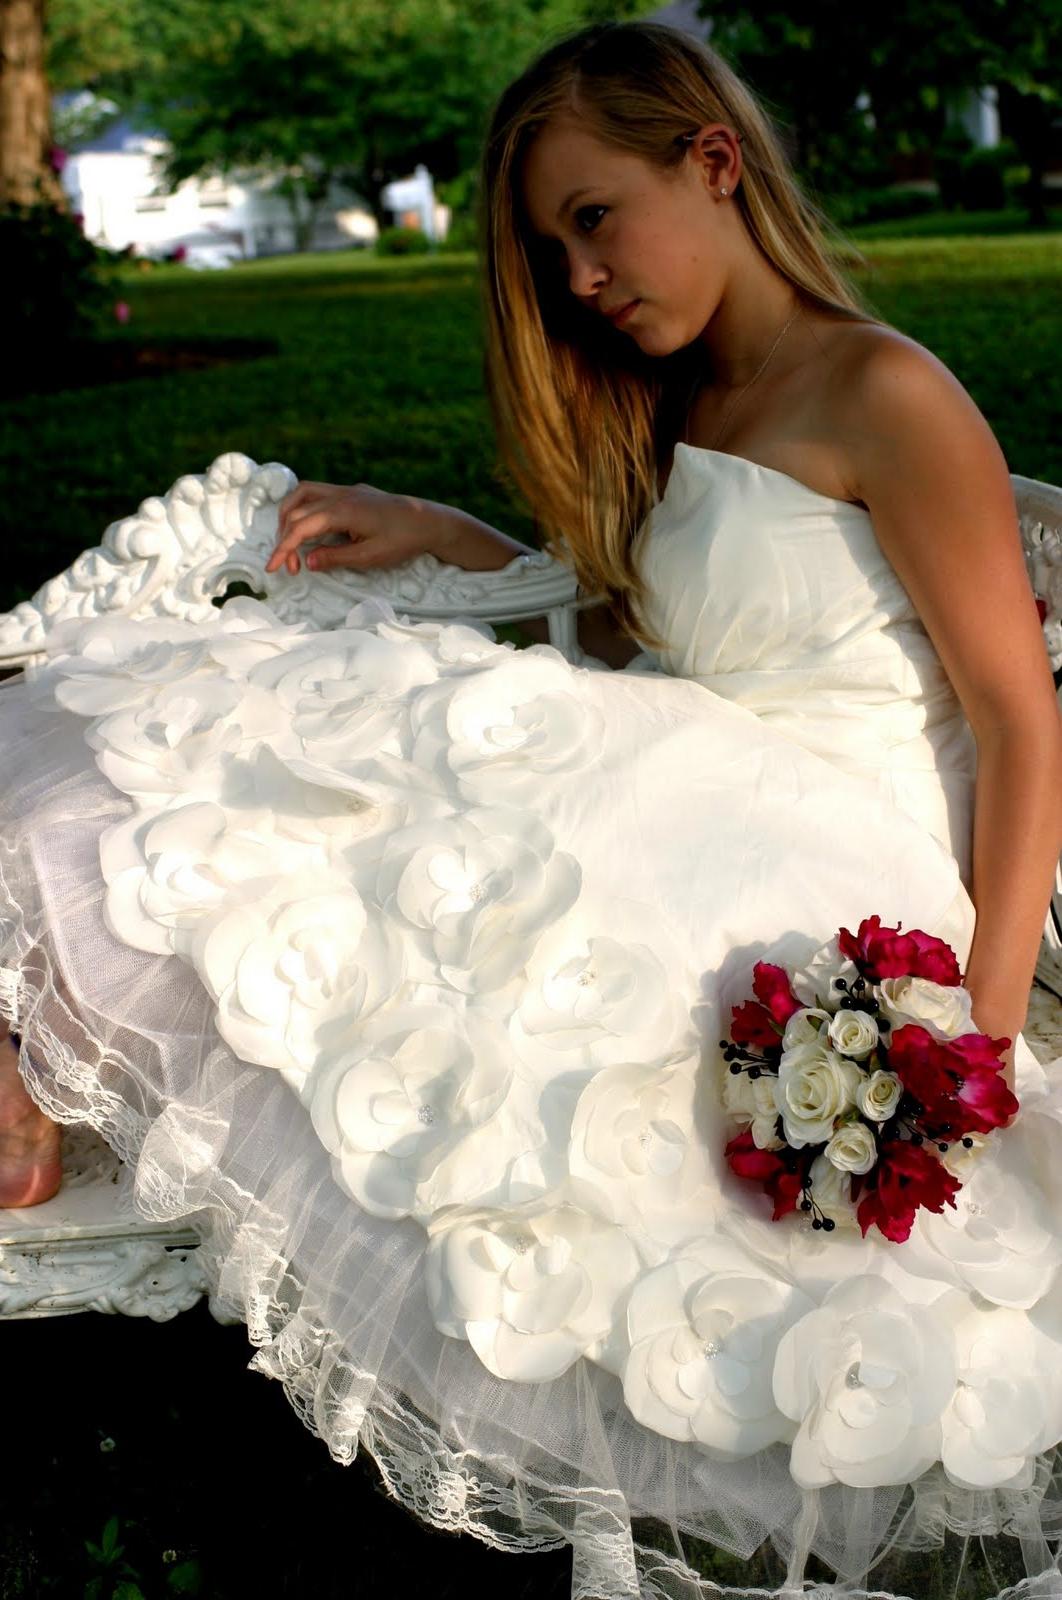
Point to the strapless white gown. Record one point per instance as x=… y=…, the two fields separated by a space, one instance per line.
x=398 y=961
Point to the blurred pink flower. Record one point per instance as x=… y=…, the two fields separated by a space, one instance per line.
x=181 y=253
x=121 y=311
x=57 y=158
x=79 y=219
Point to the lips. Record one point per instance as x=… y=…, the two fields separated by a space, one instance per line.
x=621 y=312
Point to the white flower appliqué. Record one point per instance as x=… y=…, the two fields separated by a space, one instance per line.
x=393 y=1108
x=636 y=1154
x=293 y=967
x=703 y=1329
x=1007 y=1405
x=503 y=731
x=532 y=1288
x=867 y=1376
x=479 y=888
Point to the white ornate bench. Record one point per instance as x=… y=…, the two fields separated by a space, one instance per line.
x=87 y=1249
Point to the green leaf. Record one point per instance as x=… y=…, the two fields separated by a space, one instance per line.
x=187 y=1578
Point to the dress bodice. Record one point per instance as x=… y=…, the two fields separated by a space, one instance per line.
x=781 y=599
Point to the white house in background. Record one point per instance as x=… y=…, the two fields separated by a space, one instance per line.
x=113 y=181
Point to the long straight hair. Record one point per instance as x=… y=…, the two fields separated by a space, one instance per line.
x=583 y=419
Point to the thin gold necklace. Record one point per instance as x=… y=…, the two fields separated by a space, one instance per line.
x=744 y=390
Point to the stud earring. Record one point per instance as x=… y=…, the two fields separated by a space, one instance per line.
x=724 y=191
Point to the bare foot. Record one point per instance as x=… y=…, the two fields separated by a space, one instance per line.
x=30 y=1165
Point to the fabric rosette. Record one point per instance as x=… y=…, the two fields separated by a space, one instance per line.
x=398 y=1108
x=704 y=1329
x=603 y=986
x=866 y=1376
x=531 y=1287
x=499 y=734
x=294 y=964
x=852 y=1078
x=477 y=890
x=636 y=1154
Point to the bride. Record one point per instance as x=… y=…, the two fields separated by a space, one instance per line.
x=400 y=959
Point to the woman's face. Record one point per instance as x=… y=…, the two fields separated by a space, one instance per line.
x=630 y=232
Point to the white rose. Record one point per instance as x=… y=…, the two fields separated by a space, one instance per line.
x=879 y=1094
x=831 y=1190
x=853 y=1033
x=943 y=1009
x=805 y=1026
x=961 y=1159
x=815 y=1086
x=764 y=1124
x=747 y=1097
x=816 y=983
x=853 y=1148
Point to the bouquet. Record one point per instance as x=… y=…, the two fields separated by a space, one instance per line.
x=862 y=1081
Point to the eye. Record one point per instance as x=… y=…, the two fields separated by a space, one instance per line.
x=585 y=211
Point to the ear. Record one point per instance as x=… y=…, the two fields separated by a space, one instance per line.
x=716 y=150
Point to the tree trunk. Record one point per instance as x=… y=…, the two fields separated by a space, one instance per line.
x=26 y=175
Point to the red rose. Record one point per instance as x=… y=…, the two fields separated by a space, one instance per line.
x=957 y=1082
x=782 y=1181
x=751 y=1025
x=907 y=1176
x=785 y=1189
x=887 y=953
x=750 y=1162
x=770 y=984
x=986 y=1101
x=972 y=1050
x=914 y=1054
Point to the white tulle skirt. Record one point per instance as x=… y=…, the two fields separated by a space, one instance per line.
x=693 y=829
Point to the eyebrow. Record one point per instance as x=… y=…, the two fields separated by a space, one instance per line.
x=572 y=197
x=562 y=209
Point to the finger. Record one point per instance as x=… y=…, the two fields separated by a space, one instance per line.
x=357 y=555
x=295 y=518
x=293 y=498
x=311 y=524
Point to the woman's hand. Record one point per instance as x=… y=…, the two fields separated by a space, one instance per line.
x=382 y=529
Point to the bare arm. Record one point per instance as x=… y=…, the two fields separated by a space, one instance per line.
x=380 y=529
x=383 y=530
x=455 y=536
x=937 y=486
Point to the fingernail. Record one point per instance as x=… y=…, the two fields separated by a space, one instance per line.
x=311 y=561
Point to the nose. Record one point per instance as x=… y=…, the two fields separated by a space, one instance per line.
x=585 y=276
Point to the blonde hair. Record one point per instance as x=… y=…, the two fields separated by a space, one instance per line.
x=583 y=419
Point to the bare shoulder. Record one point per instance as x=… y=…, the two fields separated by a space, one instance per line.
x=898 y=410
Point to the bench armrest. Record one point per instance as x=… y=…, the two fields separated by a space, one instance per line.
x=183 y=549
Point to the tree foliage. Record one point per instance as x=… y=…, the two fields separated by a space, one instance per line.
x=913 y=59
x=314 y=91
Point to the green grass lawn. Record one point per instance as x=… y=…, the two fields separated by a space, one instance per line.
x=379 y=378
